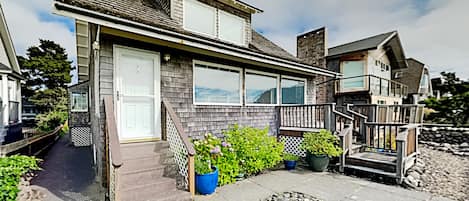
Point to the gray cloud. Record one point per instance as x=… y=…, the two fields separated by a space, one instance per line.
x=433 y=31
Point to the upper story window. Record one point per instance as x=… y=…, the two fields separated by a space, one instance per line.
x=213 y=22
x=200 y=18
x=353 y=72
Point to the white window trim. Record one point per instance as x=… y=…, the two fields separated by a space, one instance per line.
x=215 y=36
x=267 y=74
x=86 y=99
x=243 y=42
x=240 y=70
x=297 y=79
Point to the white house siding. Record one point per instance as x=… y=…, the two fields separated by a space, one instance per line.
x=3 y=54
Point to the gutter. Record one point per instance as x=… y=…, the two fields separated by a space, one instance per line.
x=175 y=37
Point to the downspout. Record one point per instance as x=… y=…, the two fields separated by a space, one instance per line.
x=95 y=89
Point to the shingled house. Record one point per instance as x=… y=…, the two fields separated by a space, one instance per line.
x=366 y=66
x=10 y=87
x=417 y=78
x=201 y=58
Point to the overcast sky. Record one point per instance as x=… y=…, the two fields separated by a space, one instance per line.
x=432 y=31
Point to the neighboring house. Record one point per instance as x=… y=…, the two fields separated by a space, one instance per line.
x=417 y=78
x=29 y=113
x=366 y=66
x=436 y=83
x=202 y=57
x=10 y=87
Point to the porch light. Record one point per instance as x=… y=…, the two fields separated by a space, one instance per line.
x=166 y=57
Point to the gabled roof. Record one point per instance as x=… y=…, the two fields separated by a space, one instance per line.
x=389 y=41
x=148 y=17
x=412 y=75
x=150 y=12
x=5 y=38
x=360 y=45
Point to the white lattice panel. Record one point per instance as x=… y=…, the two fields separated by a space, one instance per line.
x=176 y=146
x=81 y=136
x=292 y=145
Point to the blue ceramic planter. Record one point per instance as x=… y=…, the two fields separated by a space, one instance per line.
x=289 y=165
x=206 y=184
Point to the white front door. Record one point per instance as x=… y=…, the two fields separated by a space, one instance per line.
x=137 y=91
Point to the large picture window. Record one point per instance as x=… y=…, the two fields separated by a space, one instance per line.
x=353 y=69
x=216 y=84
x=79 y=102
x=200 y=18
x=261 y=88
x=293 y=90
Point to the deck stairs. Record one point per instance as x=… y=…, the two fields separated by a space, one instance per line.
x=372 y=162
x=149 y=173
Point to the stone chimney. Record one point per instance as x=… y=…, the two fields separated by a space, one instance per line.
x=311 y=47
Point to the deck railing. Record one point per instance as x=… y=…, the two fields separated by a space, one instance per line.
x=381 y=137
x=405 y=113
x=112 y=150
x=313 y=116
x=372 y=84
x=179 y=145
x=345 y=137
x=407 y=148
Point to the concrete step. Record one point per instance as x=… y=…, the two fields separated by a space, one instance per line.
x=143 y=149
x=372 y=170
x=177 y=195
x=149 y=191
x=141 y=163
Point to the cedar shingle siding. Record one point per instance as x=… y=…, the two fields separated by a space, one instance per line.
x=177 y=86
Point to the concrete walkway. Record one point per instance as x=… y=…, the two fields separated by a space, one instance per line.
x=67 y=174
x=325 y=186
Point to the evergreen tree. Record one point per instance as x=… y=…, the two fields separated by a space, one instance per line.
x=47 y=73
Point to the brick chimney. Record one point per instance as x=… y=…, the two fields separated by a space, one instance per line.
x=311 y=48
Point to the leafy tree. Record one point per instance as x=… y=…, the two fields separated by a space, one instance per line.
x=47 y=73
x=454 y=107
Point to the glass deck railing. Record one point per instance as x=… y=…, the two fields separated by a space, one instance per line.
x=371 y=83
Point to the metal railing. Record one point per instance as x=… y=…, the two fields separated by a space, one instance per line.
x=179 y=145
x=112 y=150
x=371 y=83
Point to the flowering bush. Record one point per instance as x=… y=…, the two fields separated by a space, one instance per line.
x=212 y=151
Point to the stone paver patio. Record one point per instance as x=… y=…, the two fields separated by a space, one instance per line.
x=325 y=186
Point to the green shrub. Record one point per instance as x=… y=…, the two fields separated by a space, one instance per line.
x=322 y=143
x=290 y=157
x=11 y=170
x=49 y=121
x=254 y=148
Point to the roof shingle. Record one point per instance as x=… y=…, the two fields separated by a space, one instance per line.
x=359 y=45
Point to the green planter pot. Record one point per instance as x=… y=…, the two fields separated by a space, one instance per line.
x=317 y=163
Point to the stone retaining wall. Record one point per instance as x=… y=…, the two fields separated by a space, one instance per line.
x=443 y=134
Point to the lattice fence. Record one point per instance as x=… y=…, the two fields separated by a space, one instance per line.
x=292 y=145
x=81 y=136
x=176 y=146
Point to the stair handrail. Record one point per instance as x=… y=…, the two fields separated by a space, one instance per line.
x=112 y=150
x=171 y=119
x=345 y=137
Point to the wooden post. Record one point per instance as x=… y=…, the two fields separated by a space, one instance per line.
x=191 y=175
x=401 y=147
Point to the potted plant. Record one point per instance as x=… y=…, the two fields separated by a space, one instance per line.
x=206 y=175
x=289 y=160
x=319 y=148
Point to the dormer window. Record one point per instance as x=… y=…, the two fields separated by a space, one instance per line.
x=204 y=19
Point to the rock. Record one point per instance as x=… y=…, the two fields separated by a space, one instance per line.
x=415 y=175
x=409 y=181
